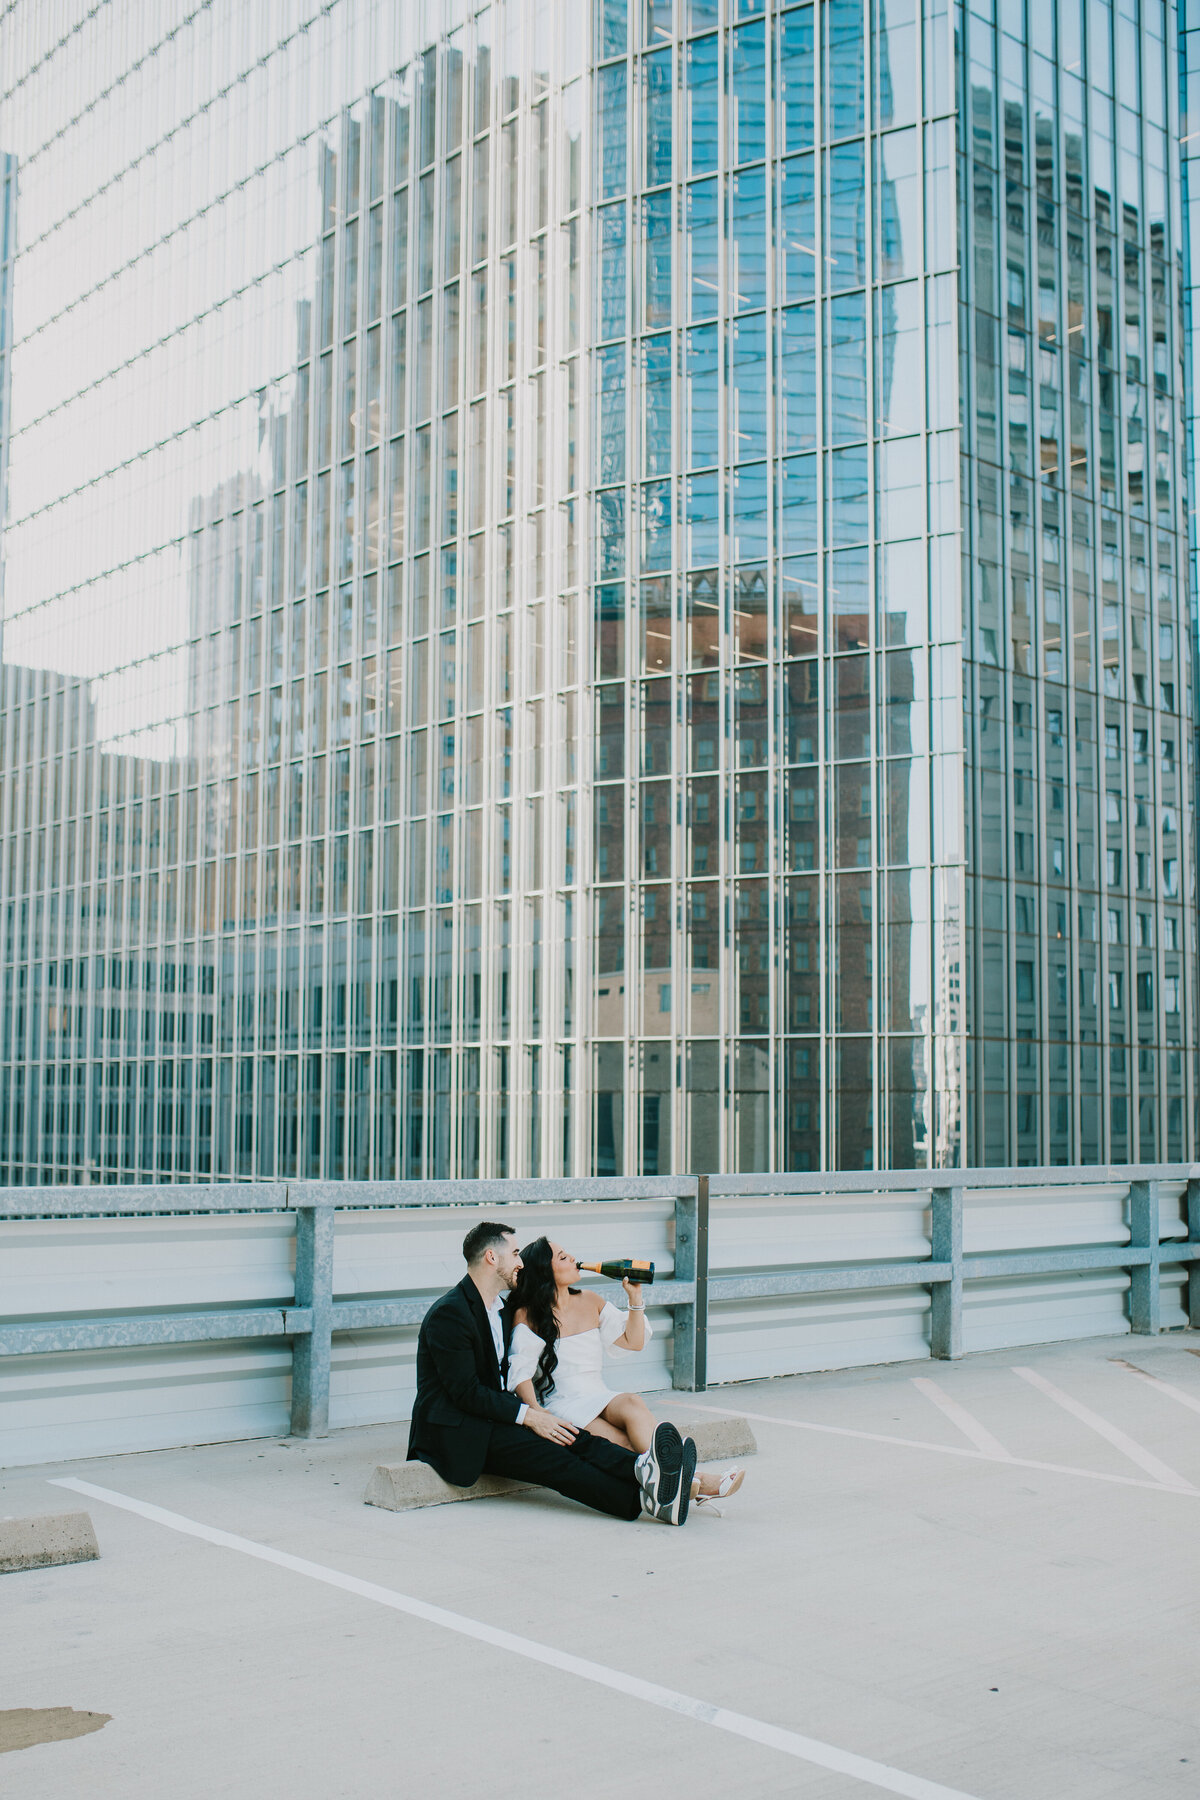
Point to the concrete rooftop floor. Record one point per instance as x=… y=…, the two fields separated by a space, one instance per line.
x=1000 y=1629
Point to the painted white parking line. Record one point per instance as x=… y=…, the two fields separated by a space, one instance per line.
x=1164 y=1387
x=1120 y=1440
x=1012 y=1462
x=970 y=1427
x=773 y=1737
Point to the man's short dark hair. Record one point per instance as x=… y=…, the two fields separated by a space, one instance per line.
x=483 y=1237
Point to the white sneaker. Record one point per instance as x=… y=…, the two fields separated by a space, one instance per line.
x=665 y=1473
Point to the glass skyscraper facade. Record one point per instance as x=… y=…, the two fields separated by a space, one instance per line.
x=1078 y=645
x=594 y=588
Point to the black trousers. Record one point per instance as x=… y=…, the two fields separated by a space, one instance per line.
x=593 y=1471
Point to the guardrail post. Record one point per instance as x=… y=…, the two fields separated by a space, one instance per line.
x=1193 y=1231
x=1144 y=1294
x=314 y=1289
x=690 y=1330
x=945 y=1334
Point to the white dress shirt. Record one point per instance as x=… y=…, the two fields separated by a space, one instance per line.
x=495 y=1320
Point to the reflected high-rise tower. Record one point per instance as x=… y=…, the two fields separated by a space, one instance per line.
x=602 y=589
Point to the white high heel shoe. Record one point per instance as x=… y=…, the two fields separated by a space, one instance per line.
x=727 y=1484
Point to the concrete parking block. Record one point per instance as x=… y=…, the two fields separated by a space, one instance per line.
x=40 y=1542
x=401 y=1487
x=718 y=1436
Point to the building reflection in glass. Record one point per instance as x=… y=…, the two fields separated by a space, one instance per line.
x=566 y=610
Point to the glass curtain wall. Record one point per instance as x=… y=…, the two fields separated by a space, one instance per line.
x=294 y=676
x=591 y=589
x=777 y=842
x=1079 y=648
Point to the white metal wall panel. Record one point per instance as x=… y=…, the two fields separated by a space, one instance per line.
x=770 y=1233
x=754 y=1338
x=101 y=1402
x=1049 y=1309
x=780 y=1231
x=104 y=1402
x=54 y=1268
x=373 y=1377
x=749 y=1339
x=996 y=1219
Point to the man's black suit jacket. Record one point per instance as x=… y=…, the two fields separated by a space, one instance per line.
x=459 y=1392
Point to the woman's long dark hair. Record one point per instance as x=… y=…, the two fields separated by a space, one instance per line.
x=534 y=1295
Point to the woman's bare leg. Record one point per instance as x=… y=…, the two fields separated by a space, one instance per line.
x=630 y=1414
x=600 y=1428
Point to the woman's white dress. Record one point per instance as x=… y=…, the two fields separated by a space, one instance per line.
x=579 y=1393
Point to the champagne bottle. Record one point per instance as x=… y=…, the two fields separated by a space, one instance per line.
x=628 y=1268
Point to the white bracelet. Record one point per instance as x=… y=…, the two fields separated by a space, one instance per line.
x=640 y=1308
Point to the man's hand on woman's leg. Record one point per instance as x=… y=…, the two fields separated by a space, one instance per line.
x=549 y=1426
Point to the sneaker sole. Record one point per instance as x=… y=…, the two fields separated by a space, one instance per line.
x=683 y=1498
x=667 y=1452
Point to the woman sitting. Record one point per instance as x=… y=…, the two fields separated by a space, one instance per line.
x=556 y=1354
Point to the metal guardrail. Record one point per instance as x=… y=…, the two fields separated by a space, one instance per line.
x=315 y=1315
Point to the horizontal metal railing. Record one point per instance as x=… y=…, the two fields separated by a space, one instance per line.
x=315 y=1316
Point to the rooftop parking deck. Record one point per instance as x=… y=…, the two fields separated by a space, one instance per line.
x=971 y=1579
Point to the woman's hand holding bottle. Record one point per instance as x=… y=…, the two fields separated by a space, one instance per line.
x=634 y=1335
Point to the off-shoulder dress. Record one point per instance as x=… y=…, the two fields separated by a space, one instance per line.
x=580 y=1393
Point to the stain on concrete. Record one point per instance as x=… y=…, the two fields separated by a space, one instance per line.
x=24 y=1726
